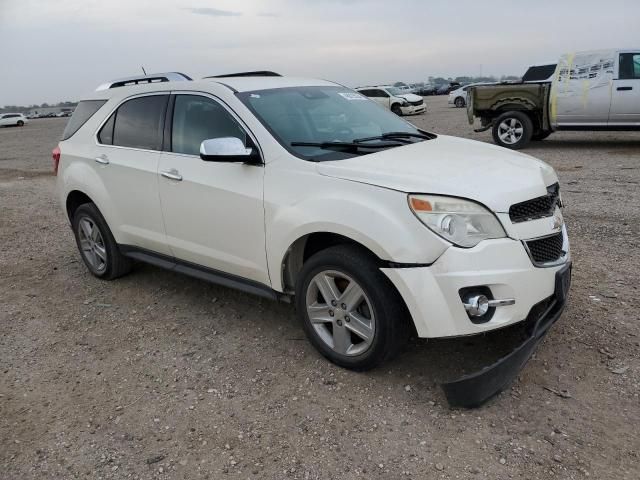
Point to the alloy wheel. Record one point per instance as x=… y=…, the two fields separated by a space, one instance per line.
x=340 y=313
x=92 y=244
x=510 y=131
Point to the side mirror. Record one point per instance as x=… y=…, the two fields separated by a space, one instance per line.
x=228 y=149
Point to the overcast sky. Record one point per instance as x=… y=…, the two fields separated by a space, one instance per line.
x=53 y=50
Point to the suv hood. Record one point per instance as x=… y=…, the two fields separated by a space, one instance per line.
x=492 y=175
x=410 y=97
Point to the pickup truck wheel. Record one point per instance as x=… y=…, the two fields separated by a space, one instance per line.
x=540 y=135
x=396 y=109
x=349 y=309
x=512 y=130
x=459 y=102
x=98 y=248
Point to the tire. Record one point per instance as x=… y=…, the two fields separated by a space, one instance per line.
x=459 y=102
x=97 y=247
x=20 y=123
x=512 y=130
x=380 y=315
x=540 y=135
x=395 y=108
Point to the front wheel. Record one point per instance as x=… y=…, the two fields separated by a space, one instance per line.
x=20 y=123
x=396 y=109
x=349 y=309
x=512 y=130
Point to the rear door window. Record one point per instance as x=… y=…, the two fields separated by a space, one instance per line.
x=83 y=112
x=139 y=123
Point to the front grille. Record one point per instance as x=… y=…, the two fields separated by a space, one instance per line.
x=546 y=249
x=538 y=207
x=416 y=103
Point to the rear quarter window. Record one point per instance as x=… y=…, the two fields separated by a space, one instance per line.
x=83 y=112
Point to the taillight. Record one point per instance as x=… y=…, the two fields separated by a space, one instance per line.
x=56 y=159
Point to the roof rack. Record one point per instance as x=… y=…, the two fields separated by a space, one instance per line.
x=141 y=79
x=258 y=73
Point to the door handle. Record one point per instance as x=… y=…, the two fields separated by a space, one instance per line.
x=102 y=159
x=621 y=89
x=172 y=174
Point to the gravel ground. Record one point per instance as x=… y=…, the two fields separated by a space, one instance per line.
x=157 y=375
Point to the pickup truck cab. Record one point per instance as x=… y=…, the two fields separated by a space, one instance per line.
x=598 y=90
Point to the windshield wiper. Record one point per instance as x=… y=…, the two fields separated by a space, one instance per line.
x=351 y=147
x=401 y=136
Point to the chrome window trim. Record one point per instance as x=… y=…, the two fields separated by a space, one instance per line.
x=174 y=92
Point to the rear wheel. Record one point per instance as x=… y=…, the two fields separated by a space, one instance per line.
x=98 y=248
x=459 y=102
x=395 y=108
x=349 y=309
x=512 y=130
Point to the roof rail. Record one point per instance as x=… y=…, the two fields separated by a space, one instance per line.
x=141 y=79
x=258 y=73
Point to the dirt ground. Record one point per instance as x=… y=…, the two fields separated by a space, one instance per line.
x=157 y=375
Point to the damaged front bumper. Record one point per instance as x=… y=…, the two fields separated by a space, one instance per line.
x=474 y=389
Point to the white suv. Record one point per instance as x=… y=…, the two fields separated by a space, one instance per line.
x=13 y=120
x=305 y=191
x=400 y=101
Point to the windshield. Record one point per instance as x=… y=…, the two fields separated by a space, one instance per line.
x=396 y=90
x=320 y=115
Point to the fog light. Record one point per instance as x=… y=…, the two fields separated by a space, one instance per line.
x=477 y=306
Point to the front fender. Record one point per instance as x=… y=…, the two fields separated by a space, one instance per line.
x=377 y=218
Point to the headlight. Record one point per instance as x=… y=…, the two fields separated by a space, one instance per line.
x=405 y=103
x=461 y=222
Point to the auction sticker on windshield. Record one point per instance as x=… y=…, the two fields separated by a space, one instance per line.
x=352 y=96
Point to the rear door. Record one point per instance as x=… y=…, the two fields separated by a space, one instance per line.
x=581 y=91
x=126 y=158
x=213 y=211
x=625 y=92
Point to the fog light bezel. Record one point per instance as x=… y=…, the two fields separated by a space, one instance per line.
x=468 y=293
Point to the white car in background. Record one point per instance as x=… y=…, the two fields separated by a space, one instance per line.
x=395 y=99
x=459 y=97
x=12 y=120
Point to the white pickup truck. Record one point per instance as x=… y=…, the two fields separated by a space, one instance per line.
x=598 y=90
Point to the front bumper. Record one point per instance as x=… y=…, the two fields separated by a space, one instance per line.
x=432 y=295
x=414 y=109
x=503 y=265
x=474 y=389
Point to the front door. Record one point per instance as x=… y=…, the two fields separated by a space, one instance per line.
x=213 y=211
x=625 y=92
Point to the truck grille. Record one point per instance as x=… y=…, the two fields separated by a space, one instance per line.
x=416 y=103
x=546 y=249
x=538 y=207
